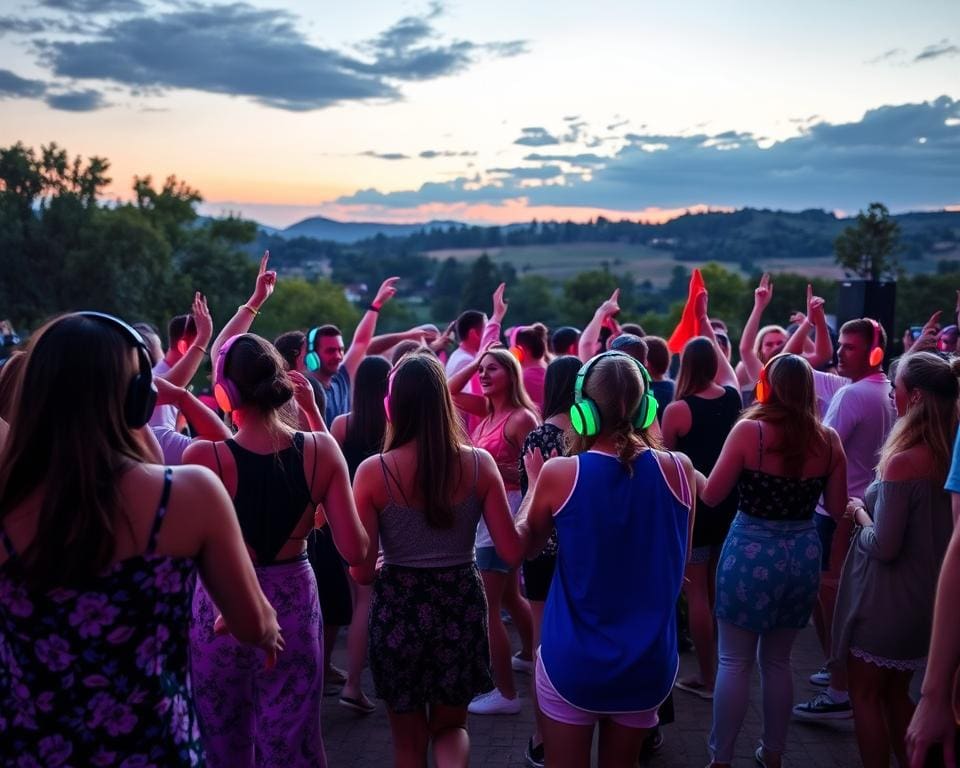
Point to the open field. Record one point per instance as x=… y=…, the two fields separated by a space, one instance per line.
x=562 y=261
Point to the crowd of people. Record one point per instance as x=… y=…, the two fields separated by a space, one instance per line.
x=175 y=569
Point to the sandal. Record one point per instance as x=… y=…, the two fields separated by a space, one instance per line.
x=361 y=705
x=694 y=686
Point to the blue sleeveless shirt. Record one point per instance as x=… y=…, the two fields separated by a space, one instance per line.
x=609 y=641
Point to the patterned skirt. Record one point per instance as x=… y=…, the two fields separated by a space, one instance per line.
x=428 y=636
x=769 y=574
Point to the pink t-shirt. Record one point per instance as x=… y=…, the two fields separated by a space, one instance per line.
x=533 y=378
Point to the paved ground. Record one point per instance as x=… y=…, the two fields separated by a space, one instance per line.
x=353 y=740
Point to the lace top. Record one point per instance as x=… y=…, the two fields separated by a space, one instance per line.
x=98 y=674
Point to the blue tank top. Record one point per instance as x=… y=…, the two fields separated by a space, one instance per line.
x=609 y=640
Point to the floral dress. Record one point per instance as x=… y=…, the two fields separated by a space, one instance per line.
x=97 y=675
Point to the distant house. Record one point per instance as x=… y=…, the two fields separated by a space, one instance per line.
x=354 y=292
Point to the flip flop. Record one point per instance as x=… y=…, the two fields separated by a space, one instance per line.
x=695 y=687
x=361 y=705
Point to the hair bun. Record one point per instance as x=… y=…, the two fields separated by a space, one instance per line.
x=272 y=393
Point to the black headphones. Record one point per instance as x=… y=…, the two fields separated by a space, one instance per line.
x=141 y=392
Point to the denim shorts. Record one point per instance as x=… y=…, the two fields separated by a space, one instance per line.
x=489 y=560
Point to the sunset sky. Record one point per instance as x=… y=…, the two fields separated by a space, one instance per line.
x=496 y=111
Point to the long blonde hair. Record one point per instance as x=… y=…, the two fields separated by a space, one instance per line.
x=517 y=395
x=616 y=387
x=932 y=420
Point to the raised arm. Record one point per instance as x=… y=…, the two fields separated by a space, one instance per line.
x=751 y=363
x=205 y=422
x=186 y=367
x=725 y=376
x=590 y=338
x=243 y=319
x=467 y=401
x=491 y=331
x=384 y=343
x=368 y=324
x=816 y=319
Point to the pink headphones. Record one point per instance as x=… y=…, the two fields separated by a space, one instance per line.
x=225 y=391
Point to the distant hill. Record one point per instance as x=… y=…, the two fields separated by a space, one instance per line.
x=321 y=228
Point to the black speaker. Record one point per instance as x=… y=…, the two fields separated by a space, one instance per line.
x=868 y=298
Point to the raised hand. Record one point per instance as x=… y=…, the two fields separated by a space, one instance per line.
x=302 y=391
x=764 y=292
x=202 y=319
x=700 y=304
x=266 y=282
x=499 y=303
x=385 y=292
x=611 y=306
x=167 y=393
x=928 y=336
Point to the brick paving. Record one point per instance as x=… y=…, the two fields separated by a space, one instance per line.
x=354 y=740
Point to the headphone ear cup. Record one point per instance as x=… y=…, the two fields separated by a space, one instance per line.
x=647 y=413
x=141 y=399
x=585 y=418
x=876 y=356
x=312 y=361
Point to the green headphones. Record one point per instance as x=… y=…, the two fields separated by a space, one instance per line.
x=584 y=414
x=312 y=359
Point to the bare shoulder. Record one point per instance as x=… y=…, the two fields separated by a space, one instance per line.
x=199 y=452
x=338 y=429
x=912 y=464
x=522 y=422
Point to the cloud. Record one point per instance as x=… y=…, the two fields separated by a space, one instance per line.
x=77 y=101
x=584 y=158
x=828 y=165
x=18 y=26
x=541 y=172
x=536 y=137
x=94 y=6
x=430 y=154
x=14 y=86
x=893 y=53
x=936 y=51
x=384 y=155
x=257 y=53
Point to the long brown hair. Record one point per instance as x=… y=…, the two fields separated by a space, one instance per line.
x=615 y=385
x=517 y=394
x=69 y=436
x=791 y=404
x=933 y=419
x=421 y=411
x=698 y=367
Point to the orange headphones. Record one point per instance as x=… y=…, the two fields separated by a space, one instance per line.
x=876 y=351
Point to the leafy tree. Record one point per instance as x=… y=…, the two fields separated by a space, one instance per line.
x=869 y=249
x=447 y=288
x=297 y=303
x=531 y=300
x=584 y=293
x=481 y=282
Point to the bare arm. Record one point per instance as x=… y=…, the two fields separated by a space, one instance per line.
x=186 y=367
x=761 y=299
x=384 y=343
x=675 y=424
x=243 y=319
x=496 y=512
x=933 y=720
x=364 y=482
x=205 y=422
x=306 y=401
x=535 y=519
x=731 y=463
x=334 y=493
x=835 y=492
x=368 y=324
x=590 y=338
x=474 y=404
x=725 y=376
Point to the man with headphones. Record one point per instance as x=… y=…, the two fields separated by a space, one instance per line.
x=862 y=412
x=333 y=367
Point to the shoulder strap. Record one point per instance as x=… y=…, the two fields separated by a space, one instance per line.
x=313 y=472
x=684 y=485
x=476 y=469
x=161 y=510
x=759 y=446
x=216 y=455
x=387 y=476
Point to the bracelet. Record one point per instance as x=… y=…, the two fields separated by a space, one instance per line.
x=373 y=308
x=249 y=309
x=197 y=346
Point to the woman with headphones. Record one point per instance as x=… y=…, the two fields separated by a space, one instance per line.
x=276 y=477
x=99 y=551
x=781 y=459
x=623 y=512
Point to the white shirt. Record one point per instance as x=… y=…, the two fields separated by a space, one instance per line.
x=163 y=415
x=862 y=413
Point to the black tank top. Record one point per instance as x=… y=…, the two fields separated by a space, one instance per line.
x=272 y=494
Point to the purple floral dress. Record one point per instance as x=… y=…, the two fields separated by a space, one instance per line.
x=98 y=675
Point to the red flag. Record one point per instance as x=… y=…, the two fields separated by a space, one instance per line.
x=688 y=326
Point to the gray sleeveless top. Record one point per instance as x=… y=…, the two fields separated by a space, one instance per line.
x=407 y=539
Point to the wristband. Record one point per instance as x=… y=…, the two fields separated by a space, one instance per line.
x=249 y=309
x=197 y=346
x=373 y=308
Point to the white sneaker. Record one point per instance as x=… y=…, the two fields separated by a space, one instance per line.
x=821 y=678
x=494 y=703
x=520 y=664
